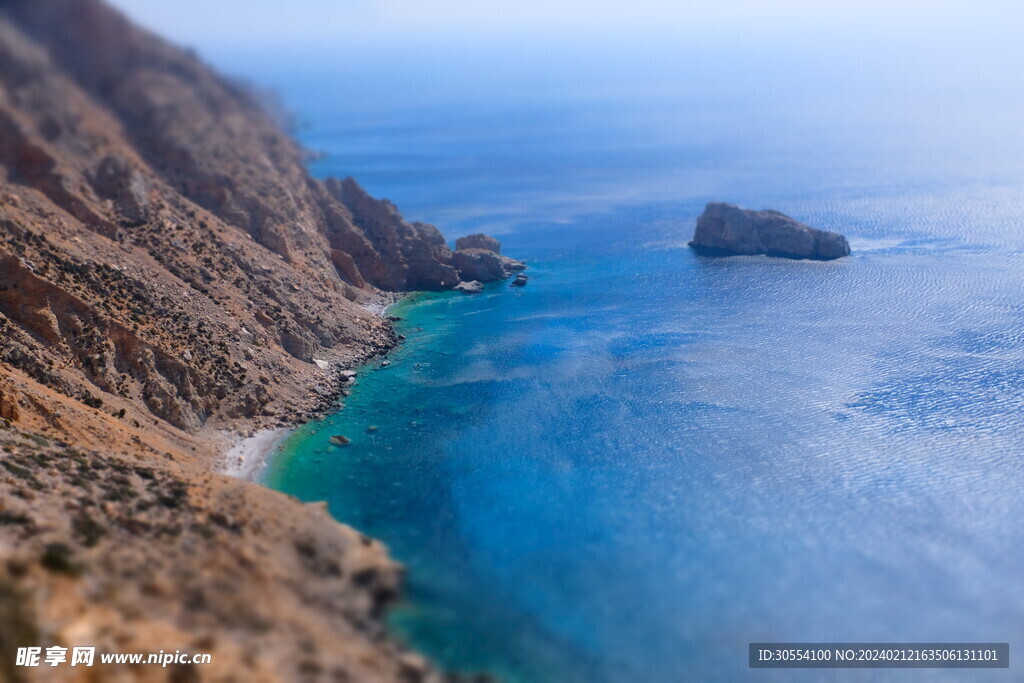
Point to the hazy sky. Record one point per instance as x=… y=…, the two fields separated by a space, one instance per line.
x=207 y=23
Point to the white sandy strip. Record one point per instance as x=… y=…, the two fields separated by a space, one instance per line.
x=382 y=303
x=247 y=458
x=377 y=307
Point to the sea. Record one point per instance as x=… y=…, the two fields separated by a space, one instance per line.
x=645 y=459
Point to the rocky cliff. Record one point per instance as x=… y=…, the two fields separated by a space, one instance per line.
x=168 y=271
x=724 y=229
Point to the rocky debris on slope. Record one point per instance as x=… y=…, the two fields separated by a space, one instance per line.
x=478 y=241
x=724 y=229
x=471 y=287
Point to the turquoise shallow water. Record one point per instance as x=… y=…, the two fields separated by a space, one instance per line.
x=644 y=460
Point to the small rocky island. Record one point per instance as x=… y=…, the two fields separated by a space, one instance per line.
x=728 y=230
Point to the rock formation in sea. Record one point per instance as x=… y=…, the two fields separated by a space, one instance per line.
x=724 y=230
x=478 y=241
x=471 y=287
x=478 y=257
x=169 y=271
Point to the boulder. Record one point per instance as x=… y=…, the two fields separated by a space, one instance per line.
x=10 y=410
x=726 y=230
x=339 y=440
x=471 y=287
x=117 y=180
x=520 y=280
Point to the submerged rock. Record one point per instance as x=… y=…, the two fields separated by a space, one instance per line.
x=471 y=287
x=726 y=230
x=339 y=440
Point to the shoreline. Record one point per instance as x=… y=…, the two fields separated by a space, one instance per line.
x=304 y=456
x=381 y=303
x=247 y=458
x=247 y=454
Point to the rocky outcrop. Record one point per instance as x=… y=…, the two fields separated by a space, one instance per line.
x=115 y=179
x=10 y=410
x=724 y=229
x=478 y=257
x=480 y=265
x=413 y=255
x=478 y=241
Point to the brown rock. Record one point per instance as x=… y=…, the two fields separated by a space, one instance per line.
x=9 y=408
x=484 y=265
x=411 y=255
x=117 y=180
x=478 y=241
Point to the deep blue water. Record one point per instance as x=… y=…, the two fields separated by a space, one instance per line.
x=644 y=460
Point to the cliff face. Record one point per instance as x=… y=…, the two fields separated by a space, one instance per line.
x=207 y=141
x=412 y=255
x=168 y=269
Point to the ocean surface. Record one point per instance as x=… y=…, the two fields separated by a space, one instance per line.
x=645 y=459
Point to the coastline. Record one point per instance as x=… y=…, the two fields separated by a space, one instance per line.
x=383 y=301
x=373 y=415
x=247 y=457
x=246 y=454
x=167 y=337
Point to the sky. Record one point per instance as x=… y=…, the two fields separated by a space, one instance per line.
x=208 y=24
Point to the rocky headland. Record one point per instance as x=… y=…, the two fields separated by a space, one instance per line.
x=478 y=258
x=727 y=230
x=169 y=273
